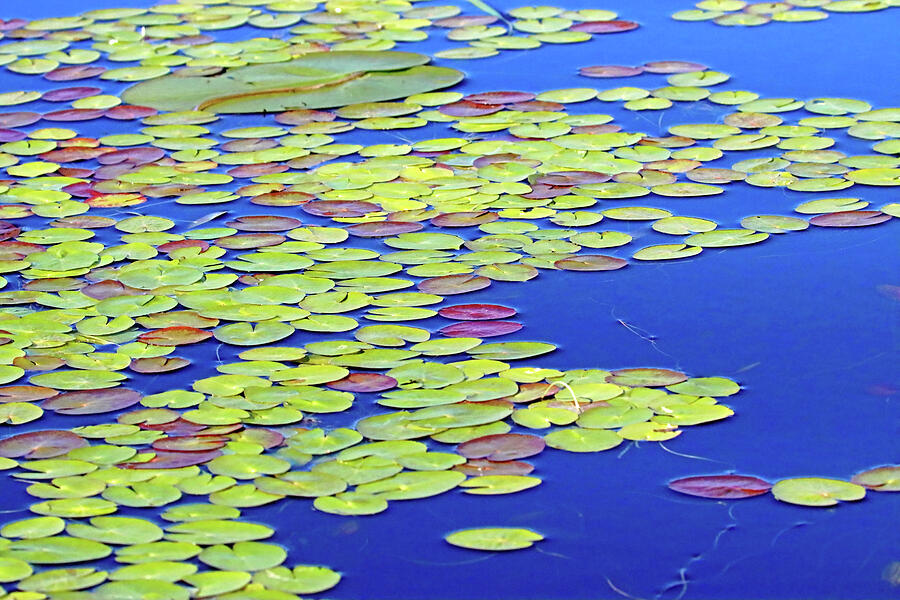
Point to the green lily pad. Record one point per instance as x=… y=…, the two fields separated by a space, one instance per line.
x=494 y=539
x=412 y=485
x=302 y=579
x=315 y=80
x=815 y=491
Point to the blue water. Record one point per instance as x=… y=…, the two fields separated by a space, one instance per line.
x=797 y=320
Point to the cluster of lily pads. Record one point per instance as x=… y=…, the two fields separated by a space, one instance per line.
x=741 y=13
x=106 y=283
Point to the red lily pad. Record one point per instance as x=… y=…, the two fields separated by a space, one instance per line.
x=540 y=191
x=249 y=171
x=158 y=364
x=176 y=427
x=646 y=377
x=465 y=219
x=479 y=467
x=127 y=112
x=673 y=66
x=299 y=117
x=605 y=128
x=8 y=230
x=91 y=402
x=364 y=382
x=850 y=218
x=74 y=114
x=502 y=446
x=174 y=460
x=476 y=312
x=264 y=223
x=481 y=329
x=40 y=444
x=728 y=487
x=466 y=108
x=132 y=156
x=174 y=336
x=249 y=240
x=12 y=135
x=500 y=97
x=190 y=443
x=570 y=178
x=18 y=118
x=74 y=72
x=339 y=208
x=70 y=93
x=448 y=285
x=281 y=199
x=109 y=289
x=25 y=393
x=377 y=229
x=616 y=26
x=590 y=262
x=179 y=244
x=610 y=71
x=537 y=105
x=74 y=154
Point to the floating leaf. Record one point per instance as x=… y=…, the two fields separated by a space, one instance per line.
x=814 y=491
x=494 y=539
x=721 y=486
x=879 y=479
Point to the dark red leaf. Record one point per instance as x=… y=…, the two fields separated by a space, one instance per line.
x=70 y=93
x=673 y=66
x=281 y=199
x=339 y=208
x=481 y=329
x=570 y=178
x=190 y=443
x=40 y=444
x=499 y=97
x=299 y=117
x=264 y=223
x=25 y=393
x=464 y=108
x=127 y=112
x=465 y=219
x=364 y=382
x=74 y=114
x=478 y=467
x=610 y=71
x=245 y=241
x=383 y=228
x=18 y=119
x=502 y=446
x=850 y=218
x=476 y=312
x=91 y=402
x=74 y=72
x=590 y=262
x=449 y=285
x=604 y=26
x=132 y=156
x=12 y=135
x=174 y=460
x=721 y=486
x=174 y=336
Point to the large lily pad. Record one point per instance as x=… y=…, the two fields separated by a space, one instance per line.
x=316 y=80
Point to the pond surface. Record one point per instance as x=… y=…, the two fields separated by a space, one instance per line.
x=802 y=322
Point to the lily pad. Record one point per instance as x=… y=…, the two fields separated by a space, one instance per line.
x=494 y=539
